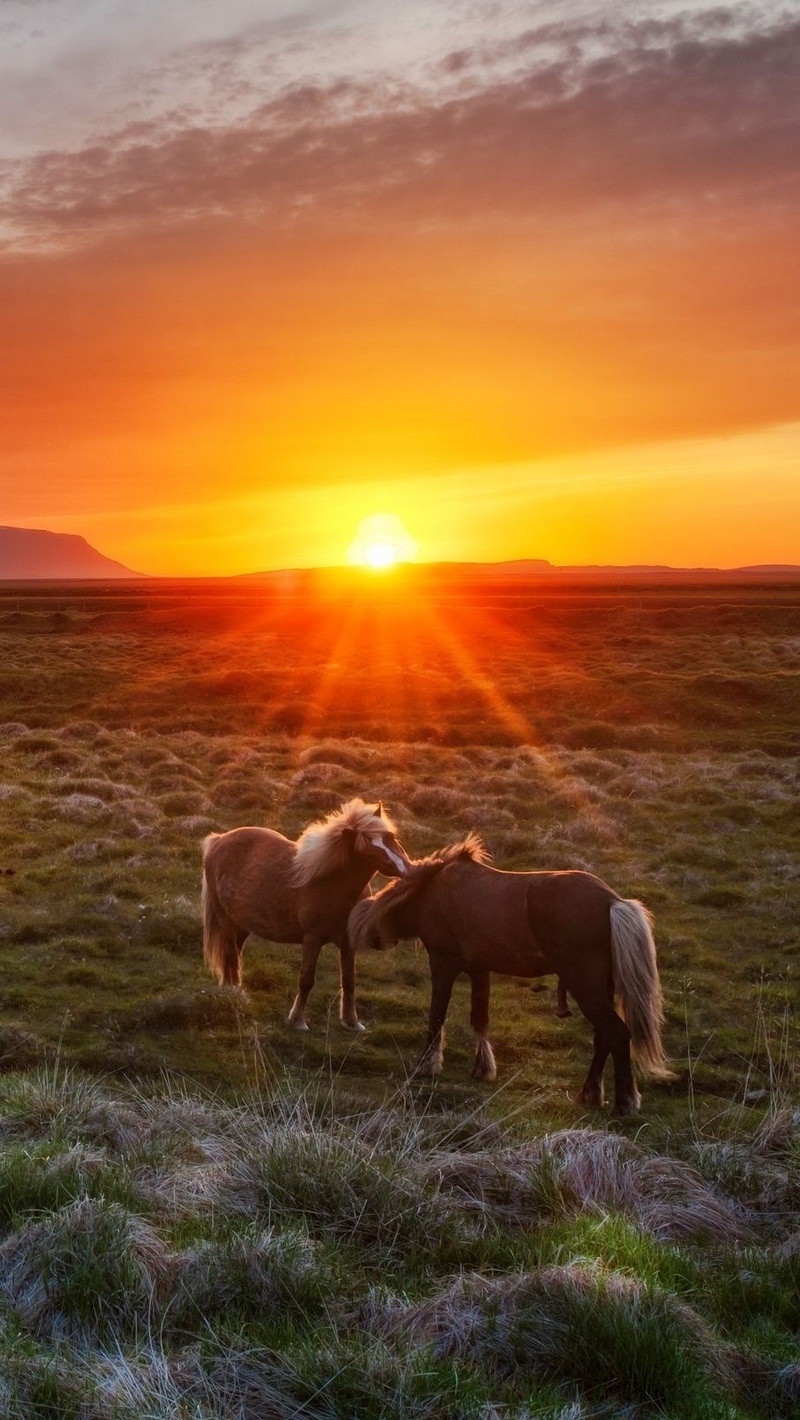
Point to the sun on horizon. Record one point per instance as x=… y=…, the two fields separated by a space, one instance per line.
x=381 y=541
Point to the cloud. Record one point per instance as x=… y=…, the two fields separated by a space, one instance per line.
x=688 y=112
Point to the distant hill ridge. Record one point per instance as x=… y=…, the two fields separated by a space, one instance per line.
x=540 y=567
x=33 y=554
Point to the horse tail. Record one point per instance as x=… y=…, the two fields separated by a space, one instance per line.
x=637 y=984
x=220 y=949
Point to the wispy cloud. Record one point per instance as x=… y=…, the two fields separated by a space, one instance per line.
x=689 y=110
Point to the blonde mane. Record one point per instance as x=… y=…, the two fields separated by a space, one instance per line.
x=472 y=847
x=375 y=920
x=322 y=848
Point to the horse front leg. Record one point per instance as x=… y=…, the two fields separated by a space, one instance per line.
x=442 y=977
x=348 y=1015
x=312 y=947
x=485 y=1067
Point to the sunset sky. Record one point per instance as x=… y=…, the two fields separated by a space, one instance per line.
x=525 y=277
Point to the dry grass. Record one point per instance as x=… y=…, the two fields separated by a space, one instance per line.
x=257 y=1231
x=577 y=1170
x=299 y=1228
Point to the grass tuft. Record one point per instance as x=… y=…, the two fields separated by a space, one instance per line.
x=91 y=1269
x=638 y=1343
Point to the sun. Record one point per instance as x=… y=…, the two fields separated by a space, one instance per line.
x=380 y=554
x=381 y=541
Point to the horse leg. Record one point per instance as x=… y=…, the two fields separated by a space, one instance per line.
x=611 y=1037
x=591 y=1092
x=626 y=1096
x=312 y=947
x=485 y=1067
x=442 y=977
x=348 y=1015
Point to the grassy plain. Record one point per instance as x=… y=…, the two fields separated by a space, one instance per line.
x=650 y=734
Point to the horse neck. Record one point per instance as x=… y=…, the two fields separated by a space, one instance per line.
x=341 y=888
x=357 y=874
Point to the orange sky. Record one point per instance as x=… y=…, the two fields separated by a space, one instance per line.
x=524 y=276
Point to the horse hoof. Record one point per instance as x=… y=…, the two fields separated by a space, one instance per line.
x=590 y=1099
x=353 y=1025
x=626 y=1107
x=296 y=1025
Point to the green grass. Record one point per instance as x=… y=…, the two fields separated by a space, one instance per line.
x=202 y=1211
x=100 y=935
x=390 y=1262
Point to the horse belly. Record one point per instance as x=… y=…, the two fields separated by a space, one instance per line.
x=260 y=913
x=498 y=939
x=506 y=957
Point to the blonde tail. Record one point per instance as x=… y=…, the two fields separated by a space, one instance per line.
x=637 y=985
x=220 y=948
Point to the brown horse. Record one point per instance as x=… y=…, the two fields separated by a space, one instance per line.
x=255 y=880
x=475 y=919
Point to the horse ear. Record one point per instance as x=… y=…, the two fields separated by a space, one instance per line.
x=380 y=808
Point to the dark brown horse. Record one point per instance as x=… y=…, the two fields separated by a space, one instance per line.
x=255 y=880
x=475 y=919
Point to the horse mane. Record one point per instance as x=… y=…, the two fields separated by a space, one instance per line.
x=471 y=848
x=378 y=916
x=325 y=847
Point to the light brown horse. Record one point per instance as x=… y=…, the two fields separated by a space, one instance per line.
x=475 y=919
x=255 y=880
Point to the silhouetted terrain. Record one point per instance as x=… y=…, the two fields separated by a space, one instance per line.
x=35 y=554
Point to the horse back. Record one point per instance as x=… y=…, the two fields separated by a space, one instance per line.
x=476 y=916
x=519 y=924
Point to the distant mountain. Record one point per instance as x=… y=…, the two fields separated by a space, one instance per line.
x=536 y=567
x=529 y=569
x=31 y=554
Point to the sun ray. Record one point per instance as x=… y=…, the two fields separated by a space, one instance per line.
x=508 y=715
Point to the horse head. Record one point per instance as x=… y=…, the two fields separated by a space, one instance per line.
x=381 y=848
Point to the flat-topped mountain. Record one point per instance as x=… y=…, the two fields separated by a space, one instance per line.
x=32 y=554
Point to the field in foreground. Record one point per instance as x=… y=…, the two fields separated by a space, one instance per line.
x=167 y=1255
x=647 y=735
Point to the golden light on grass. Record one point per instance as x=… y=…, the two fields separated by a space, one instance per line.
x=381 y=541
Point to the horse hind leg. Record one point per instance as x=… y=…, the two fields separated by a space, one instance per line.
x=485 y=1067
x=611 y=1037
x=591 y=1092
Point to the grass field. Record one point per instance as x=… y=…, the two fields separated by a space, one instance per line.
x=289 y=1225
